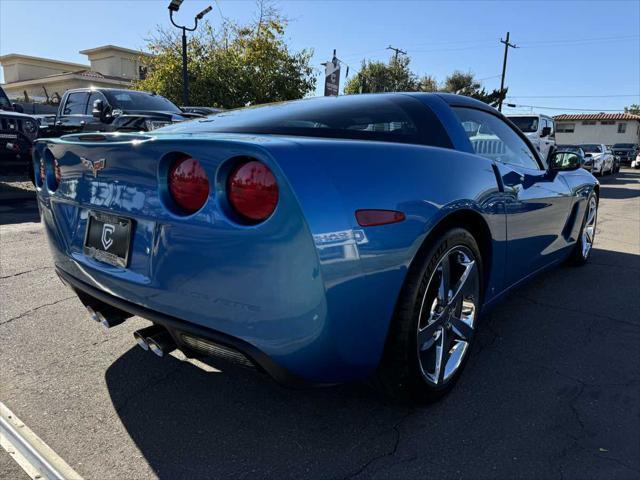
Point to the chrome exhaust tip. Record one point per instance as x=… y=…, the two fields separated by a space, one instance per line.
x=110 y=320
x=92 y=313
x=142 y=335
x=161 y=343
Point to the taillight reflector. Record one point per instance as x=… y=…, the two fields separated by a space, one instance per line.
x=372 y=218
x=188 y=184
x=253 y=191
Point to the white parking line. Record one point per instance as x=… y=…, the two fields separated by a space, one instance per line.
x=34 y=456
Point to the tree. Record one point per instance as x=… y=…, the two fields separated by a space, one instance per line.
x=373 y=77
x=634 y=109
x=237 y=66
x=396 y=76
x=466 y=84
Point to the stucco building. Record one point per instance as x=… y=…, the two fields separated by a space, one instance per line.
x=39 y=79
x=607 y=128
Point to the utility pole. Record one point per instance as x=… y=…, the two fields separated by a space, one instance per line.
x=397 y=50
x=504 y=68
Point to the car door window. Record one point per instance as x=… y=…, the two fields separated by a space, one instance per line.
x=492 y=138
x=92 y=98
x=76 y=103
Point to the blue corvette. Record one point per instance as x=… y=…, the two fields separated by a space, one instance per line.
x=322 y=240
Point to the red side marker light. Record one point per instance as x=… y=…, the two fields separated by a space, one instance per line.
x=372 y=218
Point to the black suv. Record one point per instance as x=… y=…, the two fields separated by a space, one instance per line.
x=113 y=110
x=626 y=152
x=17 y=133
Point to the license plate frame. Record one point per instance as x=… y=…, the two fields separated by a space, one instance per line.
x=112 y=229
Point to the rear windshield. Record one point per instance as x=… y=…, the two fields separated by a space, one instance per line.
x=526 y=124
x=592 y=148
x=568 y=148
x=387 y=118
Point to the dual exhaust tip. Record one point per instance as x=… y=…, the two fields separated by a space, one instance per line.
x=154 y=338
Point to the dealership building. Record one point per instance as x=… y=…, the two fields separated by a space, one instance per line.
x=606 y=128
x=37 y=79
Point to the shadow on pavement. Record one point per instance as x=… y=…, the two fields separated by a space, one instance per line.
x=19 y=208
x=551 y=390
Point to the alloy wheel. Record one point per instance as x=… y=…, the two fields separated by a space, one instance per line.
x=448 y=315
x=589 y=230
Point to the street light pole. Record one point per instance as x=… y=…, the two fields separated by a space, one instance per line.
x=174 y=6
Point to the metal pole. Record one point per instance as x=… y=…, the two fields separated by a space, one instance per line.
x=185 y=73
x=504 y=69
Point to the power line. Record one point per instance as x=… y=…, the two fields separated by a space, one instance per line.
x=513 y=105
x=573 y=96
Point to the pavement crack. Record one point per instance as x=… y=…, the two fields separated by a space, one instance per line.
x=28 y=312
x=25 y=272
x=576 y=310
x=390 y=453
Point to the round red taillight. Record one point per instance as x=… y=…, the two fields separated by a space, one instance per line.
x=188 y=184
x=253 y=191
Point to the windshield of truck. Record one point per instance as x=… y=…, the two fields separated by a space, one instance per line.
x=130 y=100
x=526 y=124
x=592 y=148
x=5 y=104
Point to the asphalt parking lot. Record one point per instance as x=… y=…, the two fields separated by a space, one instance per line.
x=552 y=389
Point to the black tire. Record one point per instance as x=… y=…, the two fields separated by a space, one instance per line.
x=400 y=374
x=577 y=257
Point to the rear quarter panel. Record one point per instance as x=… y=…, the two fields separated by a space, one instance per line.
x=363 y=269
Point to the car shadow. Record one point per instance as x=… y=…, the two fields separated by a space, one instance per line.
x=18 y=206
x=549 y=374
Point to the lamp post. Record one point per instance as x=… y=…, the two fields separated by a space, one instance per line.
x=174 y=6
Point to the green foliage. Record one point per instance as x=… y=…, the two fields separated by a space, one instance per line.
x=396 y=76
x=237 y=66
x=634 y=108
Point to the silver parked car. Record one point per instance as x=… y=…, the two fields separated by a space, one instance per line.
x=600 y=156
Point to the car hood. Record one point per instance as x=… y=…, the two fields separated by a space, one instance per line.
x=9 y=113
x=161 y=115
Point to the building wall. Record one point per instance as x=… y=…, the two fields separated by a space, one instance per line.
x=598 y=133
x=116 y=64
x=18 y=68
x=36 y=92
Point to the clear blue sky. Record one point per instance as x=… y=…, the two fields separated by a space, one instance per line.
x=568 y=48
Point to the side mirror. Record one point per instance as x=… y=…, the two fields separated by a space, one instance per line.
x=98 y=108
x=565 y=161
x=17 y=108
x=587 y=155
x=546 y=131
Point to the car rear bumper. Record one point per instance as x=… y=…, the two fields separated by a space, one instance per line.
x=179 y=327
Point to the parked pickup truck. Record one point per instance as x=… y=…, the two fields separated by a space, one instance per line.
x=17 y=134
x=626 y=152
x=113 y=110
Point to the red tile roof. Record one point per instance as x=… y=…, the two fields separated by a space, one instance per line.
x=597 y=116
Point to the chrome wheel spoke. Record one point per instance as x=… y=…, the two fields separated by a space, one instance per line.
x=441 y=357
x=427 y=336
x=445 y=281
x=461 y=329
x=464 y=283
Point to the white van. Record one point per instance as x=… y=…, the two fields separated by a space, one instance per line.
x=540 y=129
